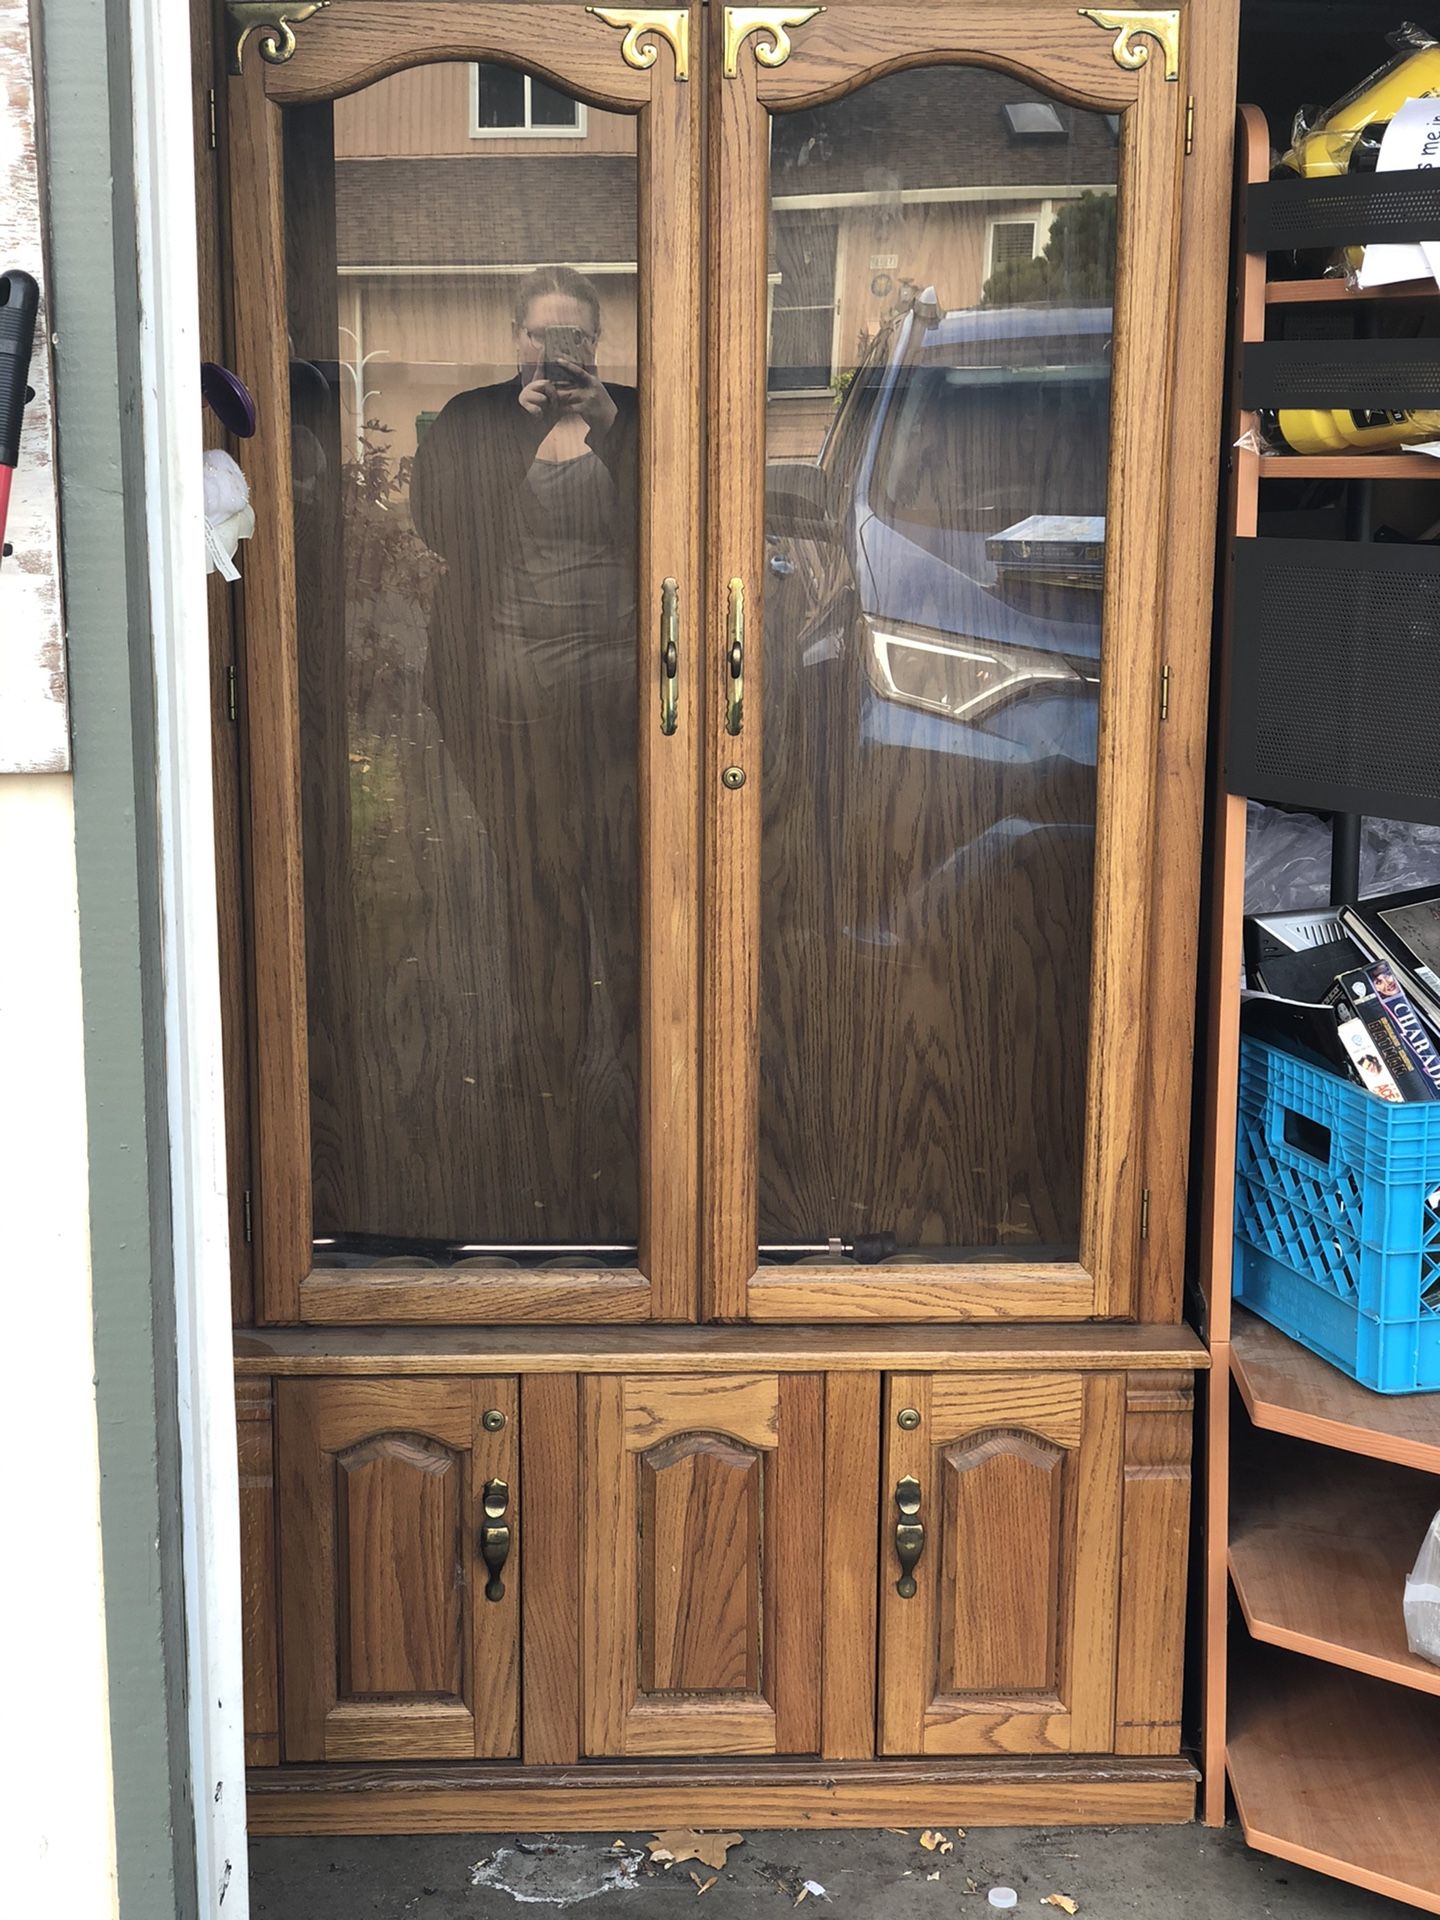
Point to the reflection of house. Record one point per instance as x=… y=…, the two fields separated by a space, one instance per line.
x=928 y=178
x=451 y=183
x=438 y=218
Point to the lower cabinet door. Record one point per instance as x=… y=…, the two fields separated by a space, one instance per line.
x=399 y=1568
x=701 y=1530
x=1000 y=1563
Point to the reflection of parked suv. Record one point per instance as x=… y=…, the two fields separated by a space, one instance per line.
x=932 y=647
x=958 y=506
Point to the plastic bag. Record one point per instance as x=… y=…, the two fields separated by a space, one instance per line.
x=1422 y=1598
x=1287 y=858
x=1324 y=140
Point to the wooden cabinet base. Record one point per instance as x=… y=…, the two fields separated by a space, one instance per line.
x=480 y=1798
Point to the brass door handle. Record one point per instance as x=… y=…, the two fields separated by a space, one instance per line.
x=735 y=660
x=495 y=1535
x=669 y=655
x=909 y=1534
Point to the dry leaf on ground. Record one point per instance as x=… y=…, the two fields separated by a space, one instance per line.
x=703 y=1886
x=1061 y=1900
x=684 y=1843
x=934 y=1841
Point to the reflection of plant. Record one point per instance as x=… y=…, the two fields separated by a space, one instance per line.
x=1077 y=267
x=841 y=384
x=388 y=579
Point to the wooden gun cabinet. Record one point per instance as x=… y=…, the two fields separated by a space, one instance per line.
x=709 y=747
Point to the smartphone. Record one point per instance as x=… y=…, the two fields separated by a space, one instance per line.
x=563 y=343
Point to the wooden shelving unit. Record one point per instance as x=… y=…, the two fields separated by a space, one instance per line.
x=1290 y=1390
x=1318 y=1491
x=1315 y=293
x=1348 y=466
x=1340 y=1773
x=1320 y=1543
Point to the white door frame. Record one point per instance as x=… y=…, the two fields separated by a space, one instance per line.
x=162 y=105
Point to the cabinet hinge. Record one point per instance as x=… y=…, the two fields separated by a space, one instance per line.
x=232 y=692
x=211 y=133
x=1189 y=123
x=1165 y=691
x=1144 y=1213
x=249 y=1222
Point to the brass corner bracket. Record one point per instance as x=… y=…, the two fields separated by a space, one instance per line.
x=274 y=21
x=637 y=50
x=1162 y=26
x=774 y=49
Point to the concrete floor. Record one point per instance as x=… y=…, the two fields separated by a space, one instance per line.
x=1173 y=1873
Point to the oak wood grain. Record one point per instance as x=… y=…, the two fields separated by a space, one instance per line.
x=1027 y=1514
x=833 y=54
x=550 y=1599
x=701 y=1537
x=1154 y=1564
x=259 y=1596
x=997 y=1618
x=994 y=1791
x=851 y=1569
x=700 y=1585
x=1045 y=44
x=226 y=762
x=361 y=1069
x=1210 y=33
x=270 y=704
x=389 y=1648
x=690 y=1350
x=361 y=41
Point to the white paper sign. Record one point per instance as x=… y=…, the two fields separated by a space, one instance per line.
x=1411 y=140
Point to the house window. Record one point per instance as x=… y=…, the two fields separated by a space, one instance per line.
x=1011 y=241
x=505 y=102
x=1034 y=120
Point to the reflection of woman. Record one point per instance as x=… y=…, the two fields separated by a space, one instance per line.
x=527 y=490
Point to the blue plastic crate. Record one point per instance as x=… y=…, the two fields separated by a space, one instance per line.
x=1337 y=1219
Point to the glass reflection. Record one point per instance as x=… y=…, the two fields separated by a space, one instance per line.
x=942 y=259
x=464 y=429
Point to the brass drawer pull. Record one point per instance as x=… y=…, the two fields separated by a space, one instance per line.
x=909 y=1534
x=669 y=655
x=735 y=660
x=495 y=1536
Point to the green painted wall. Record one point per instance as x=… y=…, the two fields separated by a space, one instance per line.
x=84 y=57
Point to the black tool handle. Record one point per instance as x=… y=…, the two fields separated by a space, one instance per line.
x=19 y=303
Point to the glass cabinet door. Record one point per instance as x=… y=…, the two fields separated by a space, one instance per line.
x=939 y=515
x=464 y=295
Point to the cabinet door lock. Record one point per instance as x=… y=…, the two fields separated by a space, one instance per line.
x=909 y=1534
x=495 y=1535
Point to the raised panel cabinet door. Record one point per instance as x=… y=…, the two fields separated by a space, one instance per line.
x=1000 y=1563
x=701 y=1542
x=938 y=511
x=464 y=293
x=399 y=1568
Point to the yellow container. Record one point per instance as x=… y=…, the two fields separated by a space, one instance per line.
x=1325 y=149
x=1351 y=430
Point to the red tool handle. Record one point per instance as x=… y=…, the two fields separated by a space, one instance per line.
x=19 y=303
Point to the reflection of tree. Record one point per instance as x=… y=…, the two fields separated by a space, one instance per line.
x=1077 y=267
x=389 y=576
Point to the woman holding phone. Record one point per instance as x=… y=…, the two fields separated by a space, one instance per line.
x=527 y=492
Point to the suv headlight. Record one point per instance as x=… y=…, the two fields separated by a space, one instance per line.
x=952 y=674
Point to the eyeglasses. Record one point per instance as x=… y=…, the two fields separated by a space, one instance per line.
x=538 y=341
